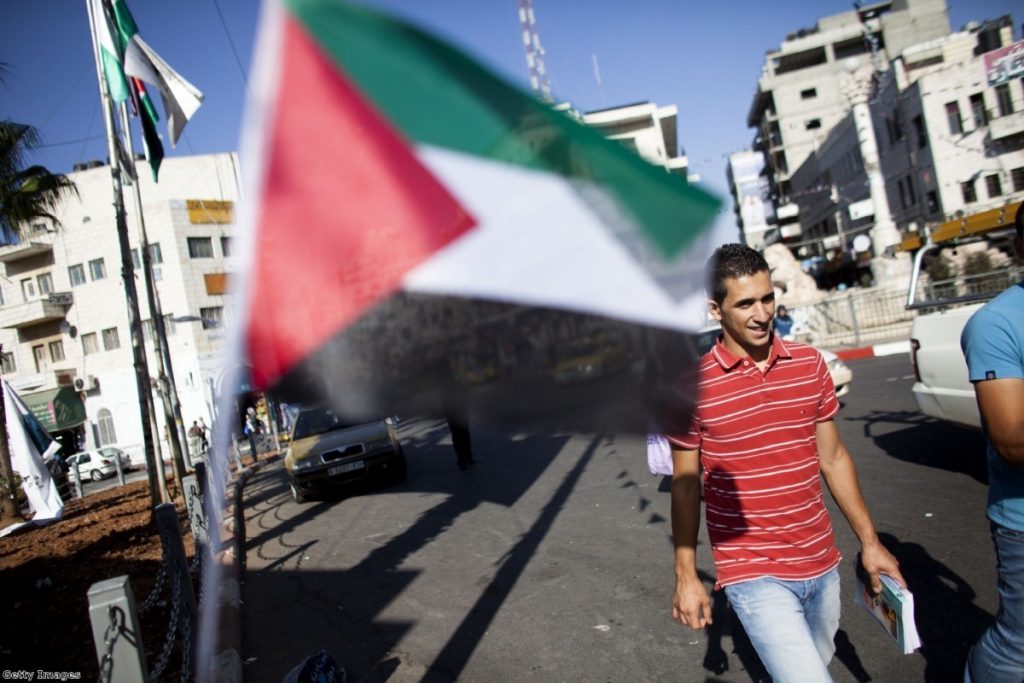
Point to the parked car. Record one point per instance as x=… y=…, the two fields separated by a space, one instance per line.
x=841 y=373
x=99 y=463
x=327 y=451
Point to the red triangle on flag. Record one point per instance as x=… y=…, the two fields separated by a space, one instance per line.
x=346 y=211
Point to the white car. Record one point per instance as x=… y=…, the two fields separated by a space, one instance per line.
x=99 y=463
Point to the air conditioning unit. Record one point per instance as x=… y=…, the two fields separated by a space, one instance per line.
x=79 y=384
x=88 y=384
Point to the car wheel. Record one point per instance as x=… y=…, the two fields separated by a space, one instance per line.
x=297 y=495
x=95 y=475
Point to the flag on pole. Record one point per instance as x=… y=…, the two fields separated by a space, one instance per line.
x=428 y=238
x=128 y=62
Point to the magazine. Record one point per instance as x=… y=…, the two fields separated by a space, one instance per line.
x=893 y=607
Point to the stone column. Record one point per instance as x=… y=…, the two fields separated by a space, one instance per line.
x=857 y=87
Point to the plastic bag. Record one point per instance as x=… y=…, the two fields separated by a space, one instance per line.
x=659 y=454
x=318 y=668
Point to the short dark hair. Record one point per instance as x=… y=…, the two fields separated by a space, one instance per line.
x=732 y=261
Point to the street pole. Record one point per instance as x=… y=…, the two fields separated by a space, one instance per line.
x=168 y=394
x=10 y=501
x=127 y=272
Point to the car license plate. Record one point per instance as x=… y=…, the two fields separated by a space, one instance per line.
x=347 y=467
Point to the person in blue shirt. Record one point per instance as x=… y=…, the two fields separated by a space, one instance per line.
x=783 y=323
x=993 y=345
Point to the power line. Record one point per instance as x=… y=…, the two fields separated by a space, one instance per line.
x=234 y=51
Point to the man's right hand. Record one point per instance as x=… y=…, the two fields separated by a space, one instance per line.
x=690 y=603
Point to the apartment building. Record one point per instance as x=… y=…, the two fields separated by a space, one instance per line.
x=799 y=97
x=64 y=328
x=647 y=129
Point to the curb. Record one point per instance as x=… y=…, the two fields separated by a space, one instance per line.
x=888 y=349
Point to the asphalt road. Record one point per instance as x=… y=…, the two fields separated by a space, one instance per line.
x=551 y=560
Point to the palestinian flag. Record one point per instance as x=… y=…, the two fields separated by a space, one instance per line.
x=427 y=238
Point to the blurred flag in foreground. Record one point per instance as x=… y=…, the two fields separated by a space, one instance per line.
x=429 y=239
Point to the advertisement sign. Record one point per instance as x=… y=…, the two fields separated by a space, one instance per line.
x=1005 y=64
x=207 y=211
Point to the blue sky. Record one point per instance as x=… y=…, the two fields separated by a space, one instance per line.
x=704 y=57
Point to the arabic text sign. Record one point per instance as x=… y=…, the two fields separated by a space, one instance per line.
x=1005 y=64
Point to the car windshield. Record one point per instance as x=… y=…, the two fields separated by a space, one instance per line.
x=317 y=421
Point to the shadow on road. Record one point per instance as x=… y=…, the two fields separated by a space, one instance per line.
x=962 y=450
x=291 y=612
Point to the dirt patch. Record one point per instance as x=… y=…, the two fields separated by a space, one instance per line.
x=45 y=574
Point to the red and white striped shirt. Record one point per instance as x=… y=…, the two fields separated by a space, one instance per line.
x=755 y=431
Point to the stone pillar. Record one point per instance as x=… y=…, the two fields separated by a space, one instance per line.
x=857 y=87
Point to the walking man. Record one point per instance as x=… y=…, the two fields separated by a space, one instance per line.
x=993 y=344
x=762 y=433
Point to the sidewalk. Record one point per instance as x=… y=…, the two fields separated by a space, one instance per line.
x=882 y=349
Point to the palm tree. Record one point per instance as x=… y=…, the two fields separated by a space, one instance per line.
x=27 y=194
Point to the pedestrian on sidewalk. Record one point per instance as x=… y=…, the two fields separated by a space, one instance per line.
x=783 y=323
x=993 y=345
x=763 y=432
x=459 y=428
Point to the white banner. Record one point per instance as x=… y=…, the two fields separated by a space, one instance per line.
x=25 y=442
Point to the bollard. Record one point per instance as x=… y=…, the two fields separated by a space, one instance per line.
x=77 y=478
x=194 y=490
x=115 y=631
x=170 y=533
x=120 y=470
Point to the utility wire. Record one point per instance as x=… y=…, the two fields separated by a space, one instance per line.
x=238 y=60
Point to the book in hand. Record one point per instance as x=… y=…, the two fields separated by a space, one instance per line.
x=893 y=607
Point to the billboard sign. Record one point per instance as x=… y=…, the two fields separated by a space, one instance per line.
x=1005 y=64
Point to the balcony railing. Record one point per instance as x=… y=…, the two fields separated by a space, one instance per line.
x=36 y=312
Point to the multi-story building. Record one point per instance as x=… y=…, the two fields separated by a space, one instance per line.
x=67 y=347
x=647 y=129
x=799 y=96
x=749 y=188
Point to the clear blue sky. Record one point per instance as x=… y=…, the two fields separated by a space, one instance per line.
x=704 y=57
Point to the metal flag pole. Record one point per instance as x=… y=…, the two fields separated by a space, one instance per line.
x=127 y=274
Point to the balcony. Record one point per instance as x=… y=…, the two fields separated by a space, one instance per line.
x=1006 y=126
x=17 y=316
x=16 y=252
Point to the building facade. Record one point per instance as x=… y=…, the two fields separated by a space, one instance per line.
x=645 y=128
x=750 y=193
x=67 y=347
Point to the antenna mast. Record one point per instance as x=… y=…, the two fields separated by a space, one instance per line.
x=534 y=52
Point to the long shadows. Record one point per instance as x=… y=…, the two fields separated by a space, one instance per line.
x=343 y=610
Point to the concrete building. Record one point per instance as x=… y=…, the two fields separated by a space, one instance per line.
x=750 y=192
x=949 y=131
x=645 y=128
x=799 y=95
x=63 y=313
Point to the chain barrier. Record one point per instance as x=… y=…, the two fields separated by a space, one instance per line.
x=158 y=589
x=114 y=630
x=186 y=648
x=172 y=628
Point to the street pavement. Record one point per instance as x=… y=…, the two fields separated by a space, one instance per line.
x=551 y=559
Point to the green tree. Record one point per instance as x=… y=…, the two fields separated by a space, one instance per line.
x=27 y=194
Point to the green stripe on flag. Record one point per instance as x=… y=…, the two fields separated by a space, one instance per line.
x=438 y=96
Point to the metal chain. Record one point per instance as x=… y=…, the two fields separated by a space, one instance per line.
x=158 y=588
x=110 y=636
x=186 y=648
x=172 y=628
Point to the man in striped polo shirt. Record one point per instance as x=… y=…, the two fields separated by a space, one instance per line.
x=761 y=435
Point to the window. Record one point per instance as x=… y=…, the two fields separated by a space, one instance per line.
x=225 y=246
x=933 y=202
x=920 y=132
x=200 y=247
x=968 y=191
x=105 y=425
x=808 y=94
x=45 y=281
x=110 y=339
x=39 y=353
x=956 y=123
x=1017 y=179
x=89 y=344
x=28 y=289
x=155 y=256
x=910 y=190
x=57 y=351
x=213 y=317
x=97 y=269
x=76 y=274
x=1004 y=99
x=994 y=185
x=7 y=363
x=978 y=110
x=813 y=124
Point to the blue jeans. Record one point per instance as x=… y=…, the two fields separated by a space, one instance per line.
x=791 y=624
x=999 y=654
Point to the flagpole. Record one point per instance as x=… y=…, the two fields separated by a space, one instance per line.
x=142 y=384
x=165 y=371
